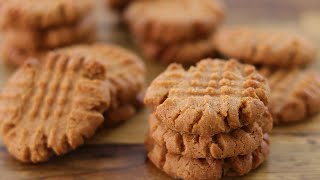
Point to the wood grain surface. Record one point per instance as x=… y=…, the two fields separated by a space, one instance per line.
x=118 y=153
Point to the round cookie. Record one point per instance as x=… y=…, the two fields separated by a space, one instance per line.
x=295 y=94
x=279 y=49
x=35 y=14
x=188 y=52
x=212 y=97
x=182 y=19
x=51 y=108
x=182 y=167
x=125 y=73
x=238 y=142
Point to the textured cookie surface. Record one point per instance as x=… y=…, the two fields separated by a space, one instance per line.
x=42 y=14
x=238 y=142
x=295 y=94
x=182 y=19
x=212 y=97
x=125 y=72
x=252 y=46
x=182 y=167
x=51 y=108
x=188 y=52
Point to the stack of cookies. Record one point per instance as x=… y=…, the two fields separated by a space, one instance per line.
x=175 y=30
x=51 y=108
x=282 y=58
x=209 y=121
x=34 y=27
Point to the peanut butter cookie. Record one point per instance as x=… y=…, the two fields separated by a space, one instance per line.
x=295 y=94
x=269 y=48
x=51 y=108
x=212 y=97
x=125 y=73
x=172 y=21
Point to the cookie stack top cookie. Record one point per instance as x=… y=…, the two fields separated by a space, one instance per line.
x=212 y=97
x=34 y=14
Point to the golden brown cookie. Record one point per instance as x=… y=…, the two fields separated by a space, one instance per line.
x=237 y=142
x=188 y=52
x=84 y=32
x=279 y=49
x=172 y=21
x=35 y=14
x=125 y=72
x=51 y=108
x=182 y=167
x=215 y=96
x=295 y=94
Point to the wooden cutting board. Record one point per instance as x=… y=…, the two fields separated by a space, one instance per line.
x=118 y=153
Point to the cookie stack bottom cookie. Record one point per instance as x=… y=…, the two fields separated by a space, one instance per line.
x=190 y=156
x=38 y=30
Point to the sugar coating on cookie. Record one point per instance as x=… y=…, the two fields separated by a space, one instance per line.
x=295 y=94
x=124 y=70
x=171 y=21
x=271 y=48
x=238 y=142
x=188 y=52
x=182 y=167
x=51 y=108
x=215 y=96
x=37 y=14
